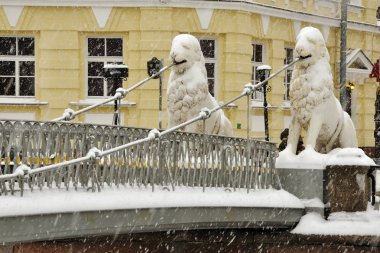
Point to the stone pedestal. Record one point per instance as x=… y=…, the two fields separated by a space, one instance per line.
x=348 y=187
x=306 y=184
x=303 y=183
x=340 y=178
x=304 y=176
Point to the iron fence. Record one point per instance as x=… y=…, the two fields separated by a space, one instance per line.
x=65 y=155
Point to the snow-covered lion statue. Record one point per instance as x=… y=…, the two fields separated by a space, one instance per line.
x=313 y=104
x=187 y=92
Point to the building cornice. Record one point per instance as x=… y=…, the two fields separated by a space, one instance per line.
x=239 y=5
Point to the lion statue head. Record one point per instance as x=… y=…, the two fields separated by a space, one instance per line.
x=187 y=51
x=311 y=46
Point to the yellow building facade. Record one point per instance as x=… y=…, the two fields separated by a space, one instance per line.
x=53 y=51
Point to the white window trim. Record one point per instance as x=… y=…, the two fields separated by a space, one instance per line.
x=286 y=99
x=102 y=118
x=17 y=58
x=215 y=61
x=104 y=59
x=18 y=115
x=256 y=101
x=12 y=100
x=94 y=100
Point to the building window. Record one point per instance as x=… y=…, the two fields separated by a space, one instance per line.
x=288 y=72
x=257 y=60
x=101 y=51
x=17 y=66
x=208 y=50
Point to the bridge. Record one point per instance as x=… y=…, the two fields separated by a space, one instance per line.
x=68 y=180
x=177 y=179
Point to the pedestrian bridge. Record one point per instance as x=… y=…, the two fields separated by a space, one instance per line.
x=63 y=180
x=60 y=179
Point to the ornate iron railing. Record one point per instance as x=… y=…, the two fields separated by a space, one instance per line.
x=61 y=154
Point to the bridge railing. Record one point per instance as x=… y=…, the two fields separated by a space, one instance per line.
x=60 y=154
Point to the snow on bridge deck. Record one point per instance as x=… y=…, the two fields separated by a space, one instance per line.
x=57 y=213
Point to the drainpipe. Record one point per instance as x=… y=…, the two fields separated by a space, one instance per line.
x=343 y=49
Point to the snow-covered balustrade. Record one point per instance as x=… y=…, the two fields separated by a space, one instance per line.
x=69 y=155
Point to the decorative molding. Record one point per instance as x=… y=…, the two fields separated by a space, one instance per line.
x=326 y=32
x=204 y=16
x=247 y=6
x=102 y=14
x=304 y=3
x=102 y=118
x=333 y=5
x=13 y=13
x=357 y=9
x=92 y=101
x=359 y=66
x=296 y=28
x=18 y=115
x=21 y=101
x=265 y=19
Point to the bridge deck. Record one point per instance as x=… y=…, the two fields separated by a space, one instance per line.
x=57 y=213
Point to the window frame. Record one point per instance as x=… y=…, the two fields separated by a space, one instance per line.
x=212 y=61
x=257 y=95
x=17 y=58
x=103 y=59
x=290 y=69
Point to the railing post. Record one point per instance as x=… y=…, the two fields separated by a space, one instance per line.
x=158 y=165
x=204 y=154
x=248 y=113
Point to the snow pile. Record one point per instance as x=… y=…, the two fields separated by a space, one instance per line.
x=310 y=159
x=94 y=153
x=307 y=159
x=313 y=203
x=350 y=156
x=22 y=170
x=61 y=200
x=68 y=114
x=341 y=223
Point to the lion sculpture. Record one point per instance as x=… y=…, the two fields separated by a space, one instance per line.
x=314 y=107
x=187 y=92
